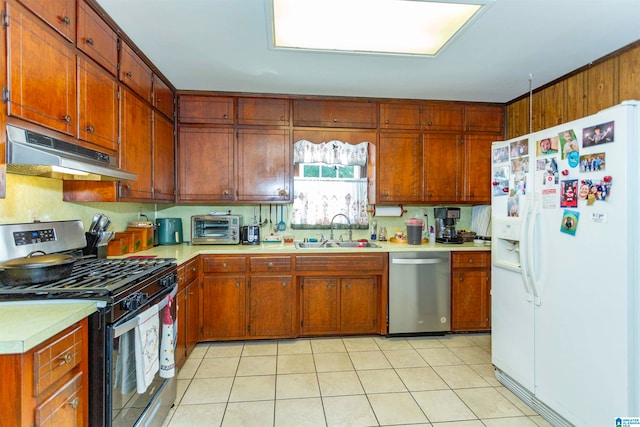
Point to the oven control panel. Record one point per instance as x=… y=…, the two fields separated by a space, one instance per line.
x=34 y=236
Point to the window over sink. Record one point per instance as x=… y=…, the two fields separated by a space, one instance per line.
x=330 y=178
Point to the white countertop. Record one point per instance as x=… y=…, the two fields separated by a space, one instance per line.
x=25 y=324
x=184 y=252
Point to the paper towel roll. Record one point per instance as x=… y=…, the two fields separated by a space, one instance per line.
x=388 y=211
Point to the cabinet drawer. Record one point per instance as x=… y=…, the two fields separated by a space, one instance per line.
x=222 y=264
x=340 y=262
x=270 y=264
x=187 y=272
x=64 y=407
x=263 y=111
x=56 y=359
x=60 y=14
x=205 y=109
x=96 y=38
x=470 y=259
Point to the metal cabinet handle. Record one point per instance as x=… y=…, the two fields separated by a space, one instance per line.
x=335 y=120
x=67 y=118
x=430 y=123
x=225 y=193
x=282 y=118
x=65 y=359
x=224 y=265
x=329 y=286
x=237 y=284
x=74 y=403
x=349 y=286
x=284 y=284
x=470 y=260
x=270 y=265
x=386 y=194
x=193 y=269
x=128 y=186
x=128 y=74
x=226 y=116
x=66 y=20
x=90 y=129
x=386 y=121
x=90 y=41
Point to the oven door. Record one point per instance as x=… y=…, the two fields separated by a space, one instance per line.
x=125 y=406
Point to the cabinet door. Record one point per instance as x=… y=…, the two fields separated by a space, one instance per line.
x=98 y=100
x=181 y=333
x=484 y=119
x=339 y=114
x=399 y=116
x=470 y=303
x=518 y=118
x=270 y=306
x=96 y=38
x=163 y=159
x=163 y=97
x=443 y=161
x=64 y=408
x=42 y=73
x=205 y=164
x=192 y=329
x=215 y=110
x=134 y=72
x=135 y=149
x=60 y=15
x=264 y=165
x=442 y=117
x=477 y=174
x=263 y=111
x=223 y=307
x=358 y=305
x=400 y=167
x=319 y=312
x=629 y=84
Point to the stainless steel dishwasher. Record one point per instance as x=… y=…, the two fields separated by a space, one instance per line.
x=419 y=293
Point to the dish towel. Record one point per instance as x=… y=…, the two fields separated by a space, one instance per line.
x=126 y=364
x=167 y=360
x=147 y=348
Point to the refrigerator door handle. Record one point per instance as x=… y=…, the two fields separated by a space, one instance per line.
x=534 y=213
x=523 y=249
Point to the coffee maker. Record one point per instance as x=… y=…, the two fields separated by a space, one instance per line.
x=446 y=219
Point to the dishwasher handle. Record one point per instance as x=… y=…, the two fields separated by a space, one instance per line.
x=417 y=261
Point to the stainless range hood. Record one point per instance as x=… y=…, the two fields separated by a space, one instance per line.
x=31 y=153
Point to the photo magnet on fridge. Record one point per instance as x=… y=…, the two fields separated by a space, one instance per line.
x=568 y=143
x=569 y=223
x=599 y=134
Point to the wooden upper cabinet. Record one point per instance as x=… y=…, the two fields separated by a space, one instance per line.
x=400 y=169
x=163 y=97
x=217 y=110
x=484 y=119
x=518 y=118
x=399 y=116
x=264 y=165
x=263 y=111
x=134 y=72
x=537 y=112
x=136 y=147
x=342 y=114
x=42 y=73
x=442 y=117
x=163 y=159
x=553 y=105
x=60 y=14
x=443 y=166
x=576 y=96
x=96 y=38
x=205 y=164
x=477 y=173
x=98 y=101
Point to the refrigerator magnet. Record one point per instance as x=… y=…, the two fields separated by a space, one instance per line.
x=569 y=193
x=569 y=223
x=568 y=143
x=599 y=134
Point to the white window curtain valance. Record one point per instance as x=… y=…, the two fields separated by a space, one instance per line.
x=332 y=153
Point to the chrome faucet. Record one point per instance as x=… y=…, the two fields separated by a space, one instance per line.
x=348 y=222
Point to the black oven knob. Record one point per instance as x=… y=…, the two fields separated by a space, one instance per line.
x=168 y=280
x=134 y=301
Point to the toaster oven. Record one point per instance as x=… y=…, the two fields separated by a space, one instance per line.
x=215 y=229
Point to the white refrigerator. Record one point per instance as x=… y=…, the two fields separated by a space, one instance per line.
x=565 y=268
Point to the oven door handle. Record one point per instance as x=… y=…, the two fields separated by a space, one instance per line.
x=123 y=328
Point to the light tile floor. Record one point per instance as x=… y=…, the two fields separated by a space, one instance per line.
x=358 y=381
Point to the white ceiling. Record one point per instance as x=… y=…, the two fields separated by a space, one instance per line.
x=224 y=45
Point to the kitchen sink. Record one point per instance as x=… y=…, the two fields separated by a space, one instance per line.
x=334 y=245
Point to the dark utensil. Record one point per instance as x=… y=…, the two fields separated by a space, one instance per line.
x=35 y=268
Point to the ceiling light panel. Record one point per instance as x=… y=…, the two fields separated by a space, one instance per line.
x=406 y=27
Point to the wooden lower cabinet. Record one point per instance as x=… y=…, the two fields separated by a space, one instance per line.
x=270 y=306
x=223 y=307
x=48 y=385
x=319 y=309
x=470 y=291
x=359 y=305
x=187 y=310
